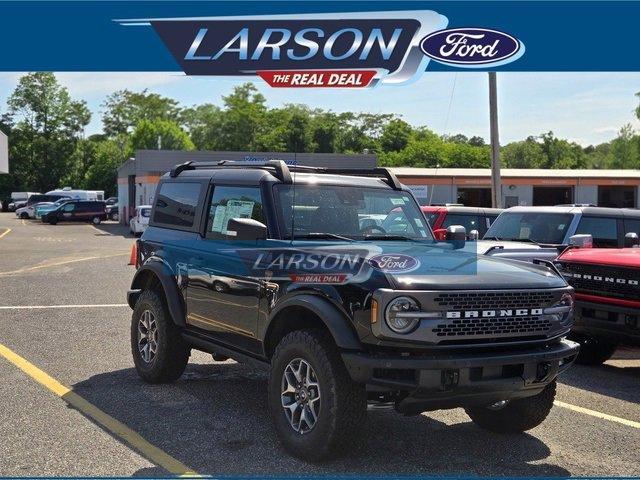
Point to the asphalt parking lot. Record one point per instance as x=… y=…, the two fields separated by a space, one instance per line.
x=72 y=405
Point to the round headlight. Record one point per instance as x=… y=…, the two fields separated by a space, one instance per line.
x=400 y=314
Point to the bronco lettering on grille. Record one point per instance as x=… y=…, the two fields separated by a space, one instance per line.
x=511 y=312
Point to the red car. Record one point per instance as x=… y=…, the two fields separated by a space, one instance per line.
x=607 y=285
x=471 y=218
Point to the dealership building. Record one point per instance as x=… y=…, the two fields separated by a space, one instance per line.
x=138 y=177
x=472 y=186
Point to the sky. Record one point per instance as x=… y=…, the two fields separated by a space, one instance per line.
x=587 y=108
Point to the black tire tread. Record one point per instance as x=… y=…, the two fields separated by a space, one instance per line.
x=173 y=352
x=518 y=415
x=347 y=416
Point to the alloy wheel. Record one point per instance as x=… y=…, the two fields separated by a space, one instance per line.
x=300 y=395
x=147 y=336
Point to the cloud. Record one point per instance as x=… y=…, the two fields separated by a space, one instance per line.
x=608 y=129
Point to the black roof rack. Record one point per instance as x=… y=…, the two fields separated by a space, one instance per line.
x=283 y=171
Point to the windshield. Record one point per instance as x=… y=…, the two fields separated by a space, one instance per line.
x=542 y=227
x=145 y=212
x=352 y=212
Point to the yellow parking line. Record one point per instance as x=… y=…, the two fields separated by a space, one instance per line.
x=5 y=232
x=115 y=427
x=65 y=262
x=44 y=307
x=593 y=413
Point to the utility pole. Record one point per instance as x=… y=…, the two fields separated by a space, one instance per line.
x=496 y=184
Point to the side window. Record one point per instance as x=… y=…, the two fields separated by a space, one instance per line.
x=69 y=207
x=603 y=230
x=176 y=203
x=232 y=202
x=632 y=225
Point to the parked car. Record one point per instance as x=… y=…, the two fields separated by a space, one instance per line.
x=607 y=285
x=343 y=315
x=554 y=226
x=78 y=211
x=471 y=218
x=42 y=208
x=19 y=200
x=112 y=211
x=140 y=220
x=111 y=201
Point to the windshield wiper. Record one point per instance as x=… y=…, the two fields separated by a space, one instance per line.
x=321 y=235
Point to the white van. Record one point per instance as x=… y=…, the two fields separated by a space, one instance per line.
x=95 y=195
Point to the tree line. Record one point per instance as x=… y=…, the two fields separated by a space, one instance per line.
x=48 y=148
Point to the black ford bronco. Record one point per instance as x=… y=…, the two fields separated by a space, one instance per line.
x=332 y=279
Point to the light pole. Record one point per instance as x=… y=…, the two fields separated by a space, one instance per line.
x=496 y=188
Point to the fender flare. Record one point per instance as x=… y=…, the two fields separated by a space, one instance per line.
x=337 y=323
x=172 y=295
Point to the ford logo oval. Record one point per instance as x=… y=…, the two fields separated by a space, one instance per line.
x=394 y=263
x=472 y=47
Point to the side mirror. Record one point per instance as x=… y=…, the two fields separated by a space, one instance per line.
x=631 y=240
x=474 y=235
x=246 y=229
x=457 y=235
x=583 y=240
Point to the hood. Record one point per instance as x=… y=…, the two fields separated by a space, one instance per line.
x=623 y=257
x=524 y=251
x=439 y=267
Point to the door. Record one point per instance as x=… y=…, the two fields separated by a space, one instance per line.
x=68 y=211
x=222 y=297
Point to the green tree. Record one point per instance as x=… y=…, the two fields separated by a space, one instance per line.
x=124 y=109
x=561 y=153
x=149 y=133
x=205 y=124
x=625 y=149
x=395 y=135
x=46 y=127
x=243 y=118
x=525 y=154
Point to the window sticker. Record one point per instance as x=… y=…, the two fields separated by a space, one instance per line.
x=397 y=201
x=233 y=209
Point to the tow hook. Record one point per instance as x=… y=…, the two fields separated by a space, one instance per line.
x=450 y=379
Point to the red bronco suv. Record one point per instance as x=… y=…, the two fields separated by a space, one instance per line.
x=607 y=309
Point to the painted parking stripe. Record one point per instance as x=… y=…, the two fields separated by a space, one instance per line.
x=64 y=262
x=42 y=307
x=5 y=232
x=593 y=413
x=115 y=427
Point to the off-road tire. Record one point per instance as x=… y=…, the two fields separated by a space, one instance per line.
x=96 y=220
x=24 y=216
x=53 y=221
x=594 y=351
x=172 y=352
x=343 y=407
x=218 y=357
x=518 y=415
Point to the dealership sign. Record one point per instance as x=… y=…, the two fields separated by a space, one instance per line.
x=346 y=50
x=329 y=50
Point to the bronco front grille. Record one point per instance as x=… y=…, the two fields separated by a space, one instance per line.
x=610 y=281
x=493 y=300
x=511 y=326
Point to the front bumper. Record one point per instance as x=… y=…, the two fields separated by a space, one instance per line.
x=438 y=381
x=617 y=323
